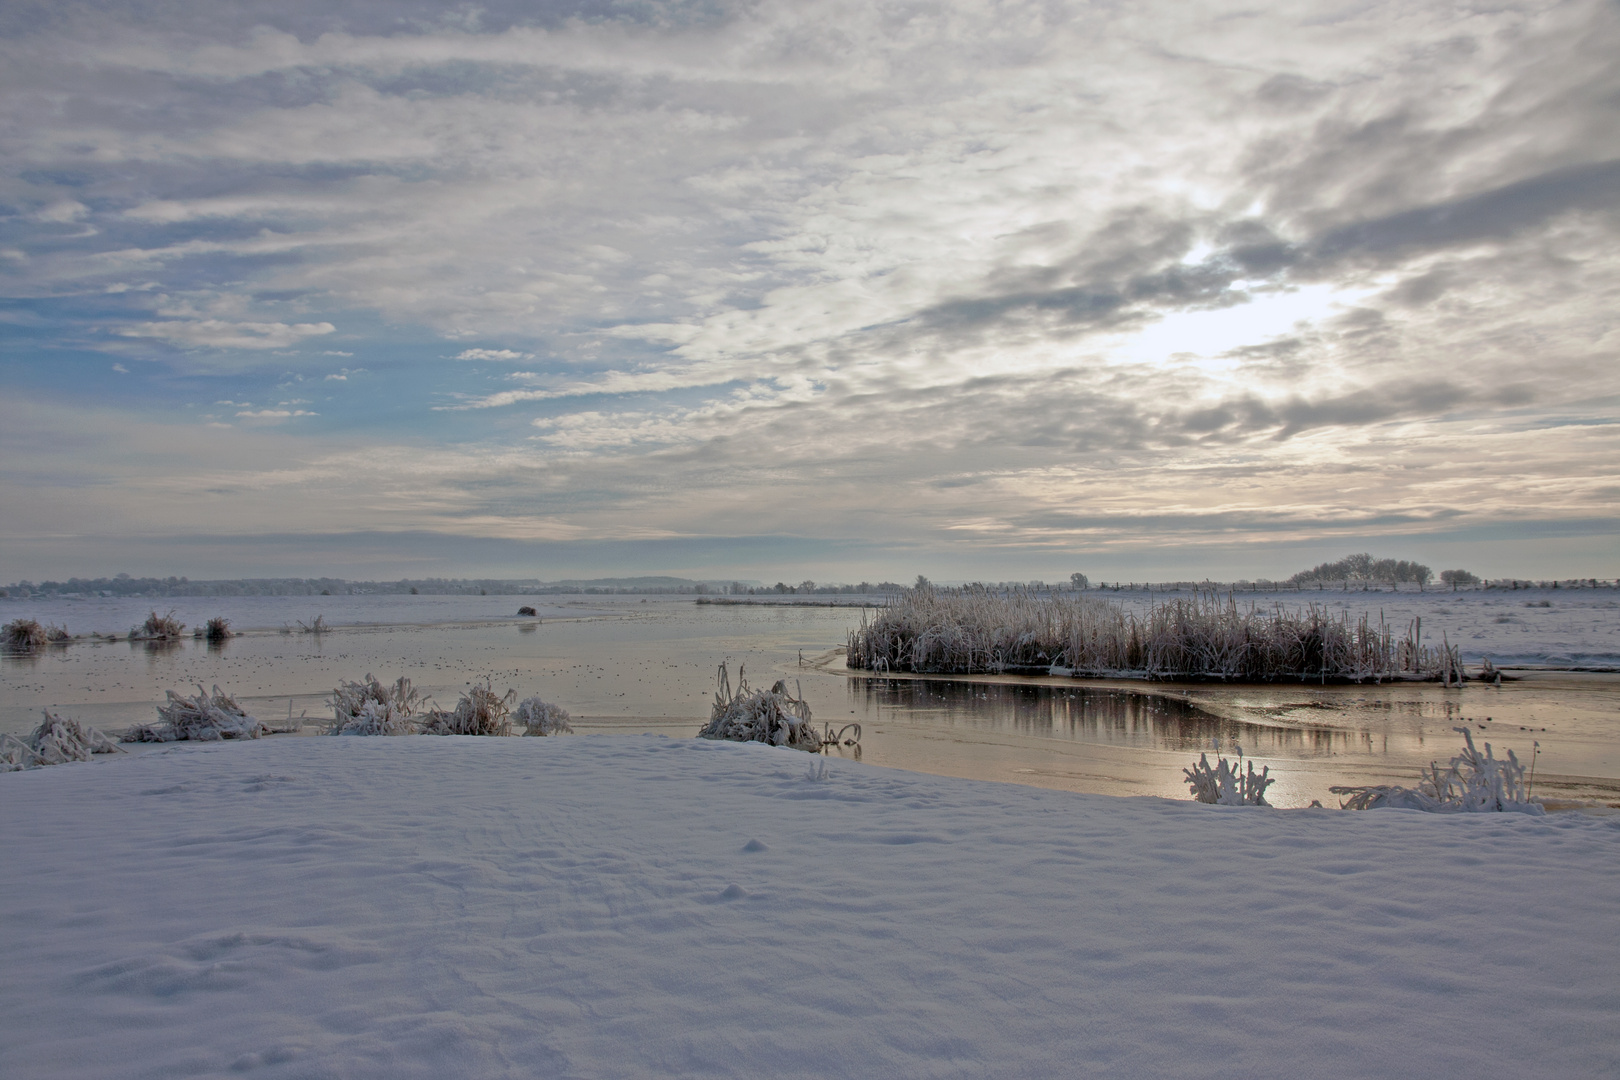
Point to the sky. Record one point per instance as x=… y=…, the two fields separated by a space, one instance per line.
x=808 y=290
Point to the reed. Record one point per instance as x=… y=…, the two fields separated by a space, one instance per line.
x=158 y=628
x=480 y=711
x=1227 y=785
x=24 y=636
x=56 y=741
x=370 y=708
x=541 y=718
x=219 y=629
x=207 y=717
x=1201 y=637
x=1472 y=783
x=771 y=716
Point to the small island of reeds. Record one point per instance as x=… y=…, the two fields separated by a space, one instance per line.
x=1205 y=637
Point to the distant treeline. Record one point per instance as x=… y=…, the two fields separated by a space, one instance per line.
x=1364 y=567
x=125 y=585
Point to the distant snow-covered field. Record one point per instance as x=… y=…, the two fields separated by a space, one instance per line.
x=638 y=906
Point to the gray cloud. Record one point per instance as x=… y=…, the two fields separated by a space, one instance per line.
x=928 y=276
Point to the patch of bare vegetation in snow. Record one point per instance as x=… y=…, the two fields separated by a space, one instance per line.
x=771 y=716
x=206 y=717
x=541 y=717
x=370 y=708
x=480 y=711
x=1472 y=783
x=56 y=741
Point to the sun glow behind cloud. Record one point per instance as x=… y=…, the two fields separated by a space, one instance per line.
x=1210 y=336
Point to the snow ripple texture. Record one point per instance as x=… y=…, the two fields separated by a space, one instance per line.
x=641 y=906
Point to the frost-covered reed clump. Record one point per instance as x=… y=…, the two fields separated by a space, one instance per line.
x=370 y=708
x=771 y=716
x=158 y=628
x=56 y=741
x=1227 y=785
x=541 y=717
x=975 y=629
x=203 y=718
x=24 y=636
x=480 y=711
x=29 y=635
x=1472 y=783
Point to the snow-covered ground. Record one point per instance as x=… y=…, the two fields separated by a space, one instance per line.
x=642 y=906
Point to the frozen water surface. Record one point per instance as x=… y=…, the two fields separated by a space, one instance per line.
x=626 y=664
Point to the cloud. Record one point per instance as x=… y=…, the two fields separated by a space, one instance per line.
x=501 y=355
x=936 y=278
x=273 y=414
x=218 y=334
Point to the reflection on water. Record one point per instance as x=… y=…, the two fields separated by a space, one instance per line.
x=1105 y=716
x=651 y=669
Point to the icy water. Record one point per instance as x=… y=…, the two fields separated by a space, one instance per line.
x=633 y=664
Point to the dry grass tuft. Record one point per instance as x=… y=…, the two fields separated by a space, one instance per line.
x=56 y=741
x=25 y=636
x=480 y=711
x=1226 y=784
x=370 y=708
x=204 y=718
x=771 y=716
x=963 y=631
x=158 y=628
x=541 y=718
x=1472 y=783
x=219 y=629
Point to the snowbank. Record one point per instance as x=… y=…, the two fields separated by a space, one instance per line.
x=639 y=906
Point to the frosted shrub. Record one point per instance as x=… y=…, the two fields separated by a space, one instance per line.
x=480 y=711
x=204 y=718
x=1472 y=783
x=56 y=741
x=158 y=628
x=27 y=635
x=771 y=716
x=1226 y=785
x=541 y=718
x=370 y=708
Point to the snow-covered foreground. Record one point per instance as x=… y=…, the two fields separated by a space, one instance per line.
x=640 y=906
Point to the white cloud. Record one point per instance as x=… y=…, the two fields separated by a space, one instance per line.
x=63 y=212
x=219 y=334
x=499 y=355
x=273 y=414
x=946 y=270
x=121 y=369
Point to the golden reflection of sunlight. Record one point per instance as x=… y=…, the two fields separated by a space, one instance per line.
x=1204 y=336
